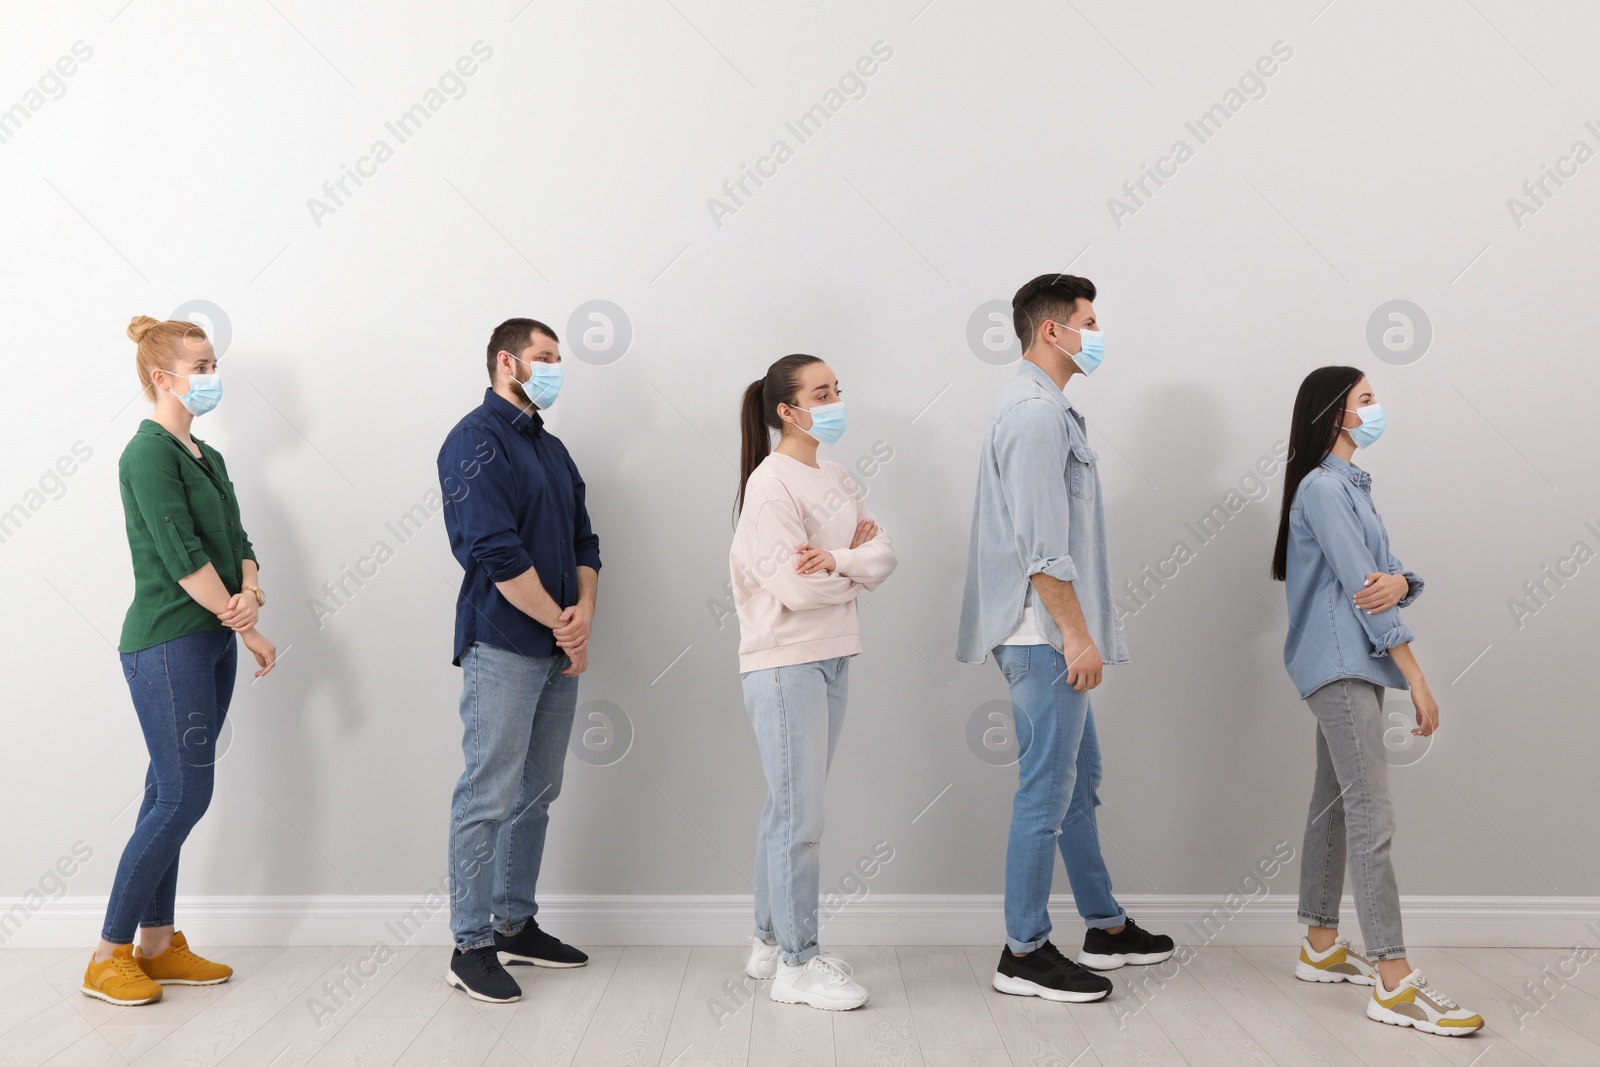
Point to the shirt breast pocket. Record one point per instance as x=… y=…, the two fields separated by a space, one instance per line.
x=1081 y=479
x=207 y=508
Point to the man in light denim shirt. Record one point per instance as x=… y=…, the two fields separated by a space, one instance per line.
x=1038 y=596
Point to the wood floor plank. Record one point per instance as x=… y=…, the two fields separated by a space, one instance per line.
x=416 y=991
x=368 y=1043
x=458 y=1035
x=1533 y=987
x=91 y=1050
x=715 y=1008
x=1281 y=1028
x=880 y=1033
x=293 y=1036
x=646 y=978
x=1222 y=1052
x=243 y=1005
x=947 y=1007
x=791 y=1035
x=20 y=964
x=548 y=1025
x=626 y=1037
x=1545 y=1037
x=47 y=1034
x=1180 y=1003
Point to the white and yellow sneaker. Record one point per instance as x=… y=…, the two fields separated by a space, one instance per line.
x=1341 y=963
x=1416 y=1004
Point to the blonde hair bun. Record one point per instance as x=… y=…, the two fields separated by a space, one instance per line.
x=141 y=325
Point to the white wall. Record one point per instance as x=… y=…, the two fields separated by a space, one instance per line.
x=177 y=166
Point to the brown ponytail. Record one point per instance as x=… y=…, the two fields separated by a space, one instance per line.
x=758 y=414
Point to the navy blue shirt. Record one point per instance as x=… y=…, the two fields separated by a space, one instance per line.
x=513 y=499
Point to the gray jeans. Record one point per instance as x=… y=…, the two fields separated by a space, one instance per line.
x=1351 y=810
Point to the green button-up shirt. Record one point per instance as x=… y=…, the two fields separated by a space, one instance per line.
x=180 y=516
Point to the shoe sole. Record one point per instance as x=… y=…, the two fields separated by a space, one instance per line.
x=454 y=980
x=1097 y=962
x=1378 y=1013
x=820 y=1005
x=761 y=977
x=96 y=994
x=506 y=958
x=1307 y=973
x=190 y=981
x=1021 y=987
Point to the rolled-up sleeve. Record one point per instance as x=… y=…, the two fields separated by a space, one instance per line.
x=157 y=487
x=484 y=518
x=1333 y=522
x=584 y=541
x=1029 y=442
x=1413 y=581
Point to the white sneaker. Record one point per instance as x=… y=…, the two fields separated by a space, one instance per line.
x=1340 y=963
x=823 y=982
x=763 y=961
x=1415 y=1003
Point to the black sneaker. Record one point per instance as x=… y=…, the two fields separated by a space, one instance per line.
x=533 y=945
x=1046 y=973
x=479 y=974
x=1107 y=952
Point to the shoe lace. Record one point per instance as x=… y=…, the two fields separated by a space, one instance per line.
x=127 y=967
x=1050 y=953
x=1433 y=994
x=836 y=970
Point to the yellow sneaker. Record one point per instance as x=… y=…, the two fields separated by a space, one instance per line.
x=178 y=966
x=1416 y=1004
x=1340 y=963
x=119 y=980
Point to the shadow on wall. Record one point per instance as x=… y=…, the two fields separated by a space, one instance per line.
x=274 y=755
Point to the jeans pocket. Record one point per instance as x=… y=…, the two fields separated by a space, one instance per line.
x=1014 y=661
x=130 y=665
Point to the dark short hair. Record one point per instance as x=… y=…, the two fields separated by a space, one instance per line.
x=1049 y=296
x=514 y=335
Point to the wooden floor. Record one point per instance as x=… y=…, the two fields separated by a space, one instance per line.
x=683 y=1006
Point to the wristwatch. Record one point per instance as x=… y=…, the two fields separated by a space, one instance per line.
x=261 y=598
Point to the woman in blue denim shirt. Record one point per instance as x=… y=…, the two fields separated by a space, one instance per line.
x=1346 y=644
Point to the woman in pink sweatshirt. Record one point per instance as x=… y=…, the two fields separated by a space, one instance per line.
x=804 y=546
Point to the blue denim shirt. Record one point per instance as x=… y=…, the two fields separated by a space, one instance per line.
x=513 y=500
x=1336 y=539
x=1038 y=511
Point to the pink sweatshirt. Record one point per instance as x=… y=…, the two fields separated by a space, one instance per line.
x=786 y=617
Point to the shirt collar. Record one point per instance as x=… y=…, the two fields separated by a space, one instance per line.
x=1356 y=475
x=515 y=417
x=1030 y=369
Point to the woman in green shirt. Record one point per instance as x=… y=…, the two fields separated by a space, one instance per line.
x=194 y=588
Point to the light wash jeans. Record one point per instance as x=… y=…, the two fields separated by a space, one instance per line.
x=1058 y=774
x=516 y=712
x=797 y=713
x=1351 y=810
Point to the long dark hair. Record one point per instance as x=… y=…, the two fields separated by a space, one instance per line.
x=758 y=414
x=1318 y=412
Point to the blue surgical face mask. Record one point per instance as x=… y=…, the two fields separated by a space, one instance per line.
x=205 y=392
x=1094 y=348
x=827 y=422
x=543 y=385
x=1371 y=428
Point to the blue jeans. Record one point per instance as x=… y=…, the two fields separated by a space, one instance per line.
x=181 y=690
x=516 y=714
x=797 y=713
x=1058 y=774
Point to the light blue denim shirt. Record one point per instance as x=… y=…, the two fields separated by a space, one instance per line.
x=1336 y=539
x=1038 y=511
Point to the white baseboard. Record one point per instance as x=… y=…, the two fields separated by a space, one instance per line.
x=877 y=919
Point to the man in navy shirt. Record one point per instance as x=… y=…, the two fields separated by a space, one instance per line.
x=515 y=513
